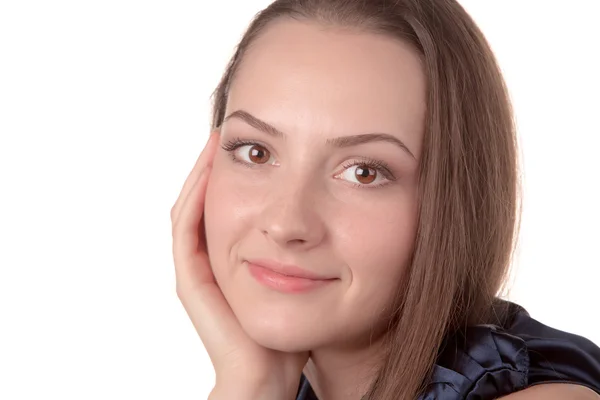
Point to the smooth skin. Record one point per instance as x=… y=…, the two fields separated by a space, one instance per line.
x=244 y=369
x=361 y=235
x=342 y=103
x=554 y=391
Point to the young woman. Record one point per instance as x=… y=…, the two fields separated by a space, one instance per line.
x=347 y=227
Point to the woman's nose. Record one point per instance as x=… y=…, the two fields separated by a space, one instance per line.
x=291 y=216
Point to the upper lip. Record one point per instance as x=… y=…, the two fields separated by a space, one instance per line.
x=288 y=269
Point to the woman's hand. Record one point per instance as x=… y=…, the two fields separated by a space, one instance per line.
x=243 y=368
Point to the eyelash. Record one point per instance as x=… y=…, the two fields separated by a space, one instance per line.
x=234 y=144
x=377 y=165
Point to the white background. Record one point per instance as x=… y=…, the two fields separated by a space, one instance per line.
x=103 y=111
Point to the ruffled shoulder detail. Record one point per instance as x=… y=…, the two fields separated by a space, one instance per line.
x=489 y=361
x=484 y=363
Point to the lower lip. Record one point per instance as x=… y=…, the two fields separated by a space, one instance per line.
x=285 y=283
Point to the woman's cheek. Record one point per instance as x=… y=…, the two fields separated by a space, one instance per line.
x=218 y=217
x=230 y=202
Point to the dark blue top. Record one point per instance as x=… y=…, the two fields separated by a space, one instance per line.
x=489 y=361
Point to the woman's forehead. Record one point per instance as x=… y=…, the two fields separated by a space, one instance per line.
x=300 y=76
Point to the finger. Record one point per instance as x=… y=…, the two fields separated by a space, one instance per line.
x=201 y=297
x=191 y=265
x=205 y=158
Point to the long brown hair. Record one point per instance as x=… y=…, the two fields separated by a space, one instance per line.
x=469 y=184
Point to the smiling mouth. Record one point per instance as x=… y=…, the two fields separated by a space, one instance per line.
x=285 y=283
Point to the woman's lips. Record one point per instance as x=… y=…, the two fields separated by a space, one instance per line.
x=289 y=282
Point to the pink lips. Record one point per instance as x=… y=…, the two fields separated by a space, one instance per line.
x=286 y=278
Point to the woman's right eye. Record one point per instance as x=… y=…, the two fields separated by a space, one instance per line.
x=250 y=153
x=254 y=154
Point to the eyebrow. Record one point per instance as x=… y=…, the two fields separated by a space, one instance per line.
x=340 y=142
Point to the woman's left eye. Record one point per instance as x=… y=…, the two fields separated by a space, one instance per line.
x=367 y=173
x=364 y=174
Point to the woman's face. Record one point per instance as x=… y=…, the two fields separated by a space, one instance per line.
x=318 y=170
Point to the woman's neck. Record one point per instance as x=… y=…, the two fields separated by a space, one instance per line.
x=343 y=373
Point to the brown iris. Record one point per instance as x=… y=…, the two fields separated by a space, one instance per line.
x=364 y=174
x=258 y=154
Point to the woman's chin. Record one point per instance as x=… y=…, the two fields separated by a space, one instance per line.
x=285 y=334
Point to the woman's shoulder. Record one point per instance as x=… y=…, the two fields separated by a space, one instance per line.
x=494 y=360
x=516 y=354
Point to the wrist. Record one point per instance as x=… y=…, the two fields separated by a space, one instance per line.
x=240 y=393
x=240 y=390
